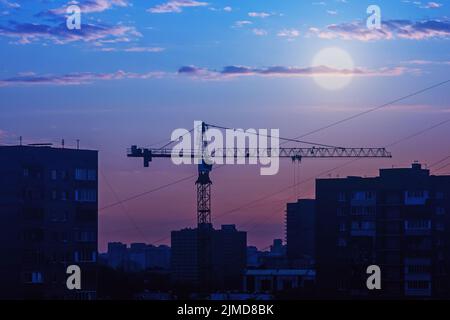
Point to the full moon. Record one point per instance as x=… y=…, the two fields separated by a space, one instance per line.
x=336 y=59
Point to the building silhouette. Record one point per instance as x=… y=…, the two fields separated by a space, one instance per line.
x=207 y=259
x=398 y=221
x=48 y=206
x=137 y=257
x=300 y=239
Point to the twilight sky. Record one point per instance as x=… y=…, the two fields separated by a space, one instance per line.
x=138 y=69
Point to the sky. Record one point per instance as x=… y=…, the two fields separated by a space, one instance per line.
x=138 y=69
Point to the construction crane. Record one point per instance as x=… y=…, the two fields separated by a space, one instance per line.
x=203 y=183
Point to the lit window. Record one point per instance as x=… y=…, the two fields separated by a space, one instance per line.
x=80 y=174
x=53 y=174
x=86 y=195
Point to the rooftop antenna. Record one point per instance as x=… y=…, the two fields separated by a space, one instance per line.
x=78 y=144
x=20 y=140
x=62 y=143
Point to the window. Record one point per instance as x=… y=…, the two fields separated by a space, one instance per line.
x=440 y=226
x=341 y=197
x=342 y=242
x=80 y=174
x=418 y=224
x=418 y=284
x=85 y=175
x=440 y=211
x=439 y=195
x=416 y=197
x=363 y=195
x=54 y=195
x=86 y=195
x=418 y=269
x=58 y=216
x=92 y=175
x=26 y=172
x=363 y=225
x=340 y=212
x=342 y=227
x=363 y=211
x=85 y=236
x=82 y=215
x=53 y=174
x=85 y=255
x=33 y=277
x=64 y=195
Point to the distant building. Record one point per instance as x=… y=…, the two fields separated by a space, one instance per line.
x=157 y=257
x=275 y=258
x=277 y=249
x=48 y=206
x=209 y=259
x=137 y=257
x=253 y=257
x=300 y=219
x=117 y=255
x=399 y=221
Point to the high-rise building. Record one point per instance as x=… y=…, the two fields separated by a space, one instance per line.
x=117 y=255
x=209 y=259
x=399 y=221
x=300 y=219
x=48 y=208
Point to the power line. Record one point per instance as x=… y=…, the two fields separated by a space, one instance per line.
x=418 y=133
x=333 y=124
x=147 y=192
x=124 y=209
x=281 y=138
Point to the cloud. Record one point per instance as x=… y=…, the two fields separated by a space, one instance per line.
x=426 y=62
x=391 y=29
x=432 y=5
x=134 y=49
x=241 y=23
x=259 y=32
x=88 y=6
x=228 y=72
x=282 y=71
x=10 y=4
x=176 y=6
x=332 y=12
x=259 y=14
x=59 y=34
x=75 y=78
x=288 y=33
x=227 y=9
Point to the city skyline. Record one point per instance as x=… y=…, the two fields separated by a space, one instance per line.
x=136 y=71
